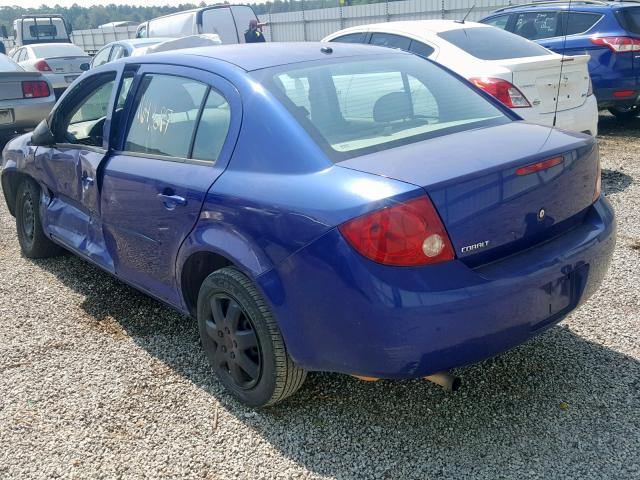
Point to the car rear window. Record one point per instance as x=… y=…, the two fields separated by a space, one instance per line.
x=492 y=43
x=365 y=105
x=631 y=19
x=57 y=50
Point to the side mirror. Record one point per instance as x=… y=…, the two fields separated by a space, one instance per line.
x=3 y=32
x=84 y=67
x=42 y=136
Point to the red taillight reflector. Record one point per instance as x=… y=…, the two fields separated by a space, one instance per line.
x=624 y=93
x=35 y=89
x=536 y=167
x=504 y=91
x=42 y=66
x=618 y=44
x=406 y=234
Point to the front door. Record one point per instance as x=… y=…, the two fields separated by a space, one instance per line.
x=181 y=129
x=71 y=166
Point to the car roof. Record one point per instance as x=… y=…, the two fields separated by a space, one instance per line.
x=582 y=5
x=416 y=27
x=257 y=56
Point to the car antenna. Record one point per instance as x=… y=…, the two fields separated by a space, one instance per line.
x=564 y=44
x=467 y=14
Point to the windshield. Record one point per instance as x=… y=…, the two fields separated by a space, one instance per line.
x=360 y=106
x=56 y=50
x=489 y=43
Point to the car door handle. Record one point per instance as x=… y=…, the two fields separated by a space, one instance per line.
x=171 y=201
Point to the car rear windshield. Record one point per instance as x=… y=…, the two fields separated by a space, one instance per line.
x=631 y=20
x=368 y=104
x=488 y=43
x=57 y=50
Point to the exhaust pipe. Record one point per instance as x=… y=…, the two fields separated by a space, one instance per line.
x=449 y=382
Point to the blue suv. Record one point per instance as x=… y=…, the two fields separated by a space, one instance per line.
x=608 y=31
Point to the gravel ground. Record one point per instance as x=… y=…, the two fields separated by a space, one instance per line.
x=99 y=381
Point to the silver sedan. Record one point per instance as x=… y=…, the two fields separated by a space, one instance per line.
x=25 y=98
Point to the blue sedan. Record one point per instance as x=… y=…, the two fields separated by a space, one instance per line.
x=340 y=208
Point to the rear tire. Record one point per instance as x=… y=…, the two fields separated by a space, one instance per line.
x=34 y=243
x=625 y=114
x=243 y=342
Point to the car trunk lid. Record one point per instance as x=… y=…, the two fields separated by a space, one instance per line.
x=487 y=207
x=543 y=80
x=11 y=83
x=71 y=65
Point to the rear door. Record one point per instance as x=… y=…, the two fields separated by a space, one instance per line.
x=171 y=150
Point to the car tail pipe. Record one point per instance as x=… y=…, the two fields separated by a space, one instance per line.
x=449 y=382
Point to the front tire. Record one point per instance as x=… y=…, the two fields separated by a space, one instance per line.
x=34 y=243
x=243 y=342
x=625 y=114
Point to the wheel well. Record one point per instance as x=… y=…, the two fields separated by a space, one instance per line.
x=10 y=182
x=198 y=267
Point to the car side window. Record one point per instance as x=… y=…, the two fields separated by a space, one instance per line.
x=22 y=55
x=84 y=112
x=118 y=51
x=499 y=22
x=101 y=57
x=537 y=25
x=579 y=22
x=358 y=37
x=164 y=115
x=212 y=128
x=390 y=40
x=421 y=49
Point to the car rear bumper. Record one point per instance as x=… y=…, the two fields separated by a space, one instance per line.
x=582 y=119
x=607 y=99
x=26 y=113
x=341 y=312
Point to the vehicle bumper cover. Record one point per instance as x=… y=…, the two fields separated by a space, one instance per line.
x=341 y=312
x=580 y=119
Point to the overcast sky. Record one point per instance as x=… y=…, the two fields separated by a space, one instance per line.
x=86 y=3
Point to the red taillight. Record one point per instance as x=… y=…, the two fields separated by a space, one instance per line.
x=536 y=167
x=42 y=66
x=406 y=234
x=618 y=44
x=624 y=93
x=35 y=89
x=504 y=91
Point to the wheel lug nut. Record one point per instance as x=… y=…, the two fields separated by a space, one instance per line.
x=220 y=334
x=233 y=355
x=235 y=344
x=227 y=330
x=224 y=349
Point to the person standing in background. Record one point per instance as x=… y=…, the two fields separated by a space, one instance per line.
x=254 y=34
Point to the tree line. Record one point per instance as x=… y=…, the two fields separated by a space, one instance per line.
x=82 y=18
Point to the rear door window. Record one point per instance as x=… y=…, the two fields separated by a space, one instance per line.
x=358 y=37
x=537 y=25
x=492 y=44
x=390 y=40
x=165 y=114
x=118 y=51
x=212 y=128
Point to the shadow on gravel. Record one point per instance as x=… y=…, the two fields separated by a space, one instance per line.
x=614 y=181
x=553 y=401
x=610 y=126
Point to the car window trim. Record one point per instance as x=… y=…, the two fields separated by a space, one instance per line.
x=80 y=146
x=167 y=158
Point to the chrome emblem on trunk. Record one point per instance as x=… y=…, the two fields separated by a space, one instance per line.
x=475 y=246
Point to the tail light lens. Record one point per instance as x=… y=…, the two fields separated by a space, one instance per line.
x=35 y=89
x=504 y=91
x=42 y=66
x=406 y=234
x=618 y=44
